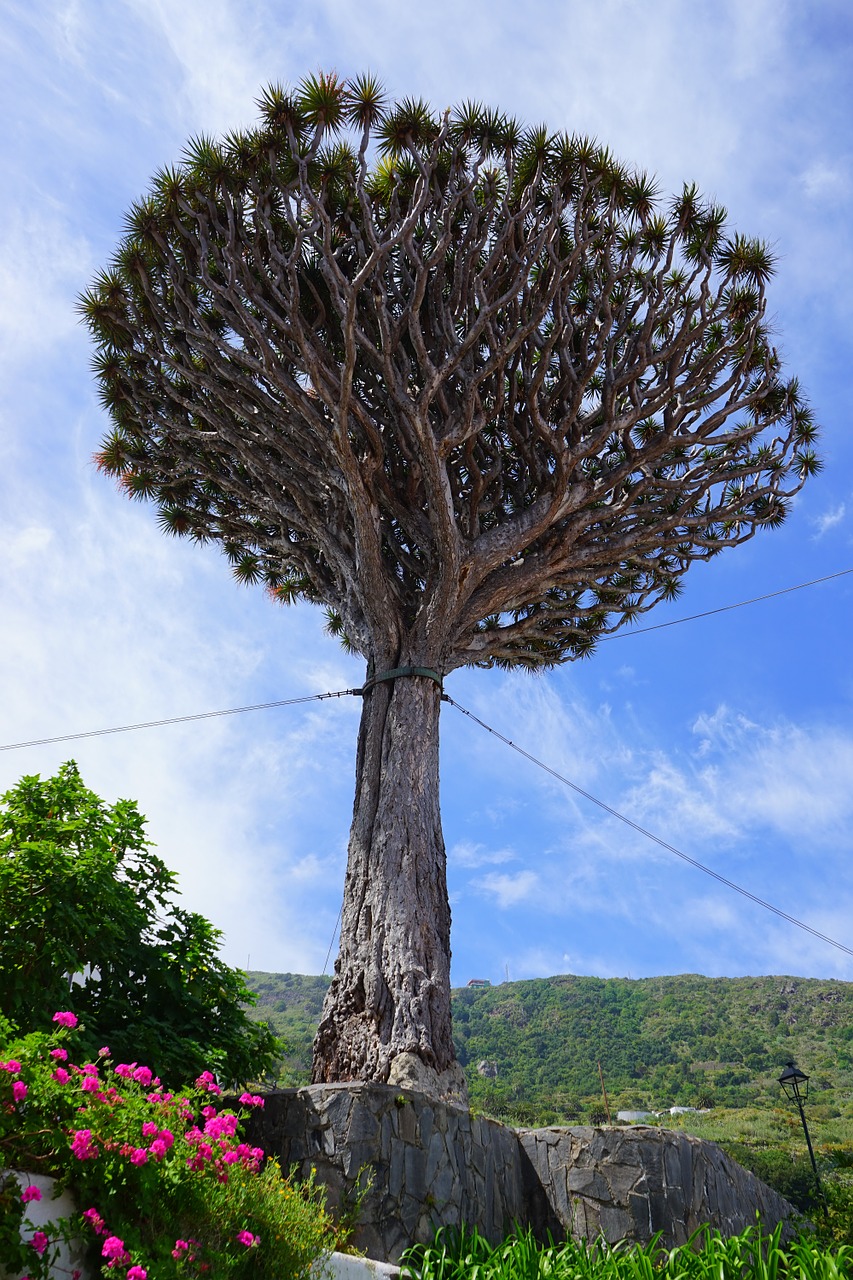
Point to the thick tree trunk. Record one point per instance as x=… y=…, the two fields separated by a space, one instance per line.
x=390 y=995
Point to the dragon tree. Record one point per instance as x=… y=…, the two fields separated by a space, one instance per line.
x=474 y=389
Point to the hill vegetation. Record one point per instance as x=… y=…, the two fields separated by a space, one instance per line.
x=531 y=1049
x=531 y=1052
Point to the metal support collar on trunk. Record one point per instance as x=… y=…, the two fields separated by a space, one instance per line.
x=402 y=671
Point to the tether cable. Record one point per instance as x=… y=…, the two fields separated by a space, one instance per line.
x=388 y=675
x=200 y=715
x=650 y=835
x=723 y=608
x=332 y=942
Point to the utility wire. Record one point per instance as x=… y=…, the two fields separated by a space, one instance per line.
x=635 y=826
x=724 y=608
x=200 y=715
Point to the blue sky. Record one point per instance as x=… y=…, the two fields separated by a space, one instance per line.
x=731 y=737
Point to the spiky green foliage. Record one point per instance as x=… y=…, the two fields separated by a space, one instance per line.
x=705 y=1255
x=441 y=369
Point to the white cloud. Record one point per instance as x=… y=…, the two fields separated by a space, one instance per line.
x=795 y=779
x=829 y=519
x=826 y=182
x=509 y=890
x=44 y=263
x=218 y=51
x=467 y=853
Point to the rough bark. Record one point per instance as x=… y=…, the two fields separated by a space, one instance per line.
x=390 y=994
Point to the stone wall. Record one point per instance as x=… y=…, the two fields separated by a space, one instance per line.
x=436 y=1165
x=432 y=1165
x=631 y=1182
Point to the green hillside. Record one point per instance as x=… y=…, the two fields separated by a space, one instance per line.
x=686 y=1040
x=661 y=1042
x=531 y=1052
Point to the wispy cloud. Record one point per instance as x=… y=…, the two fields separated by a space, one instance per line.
x=825 y=181
x=829 y=519
x=469 y=854
x=509 y=889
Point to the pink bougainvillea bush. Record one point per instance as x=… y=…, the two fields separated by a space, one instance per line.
x=167 y=1188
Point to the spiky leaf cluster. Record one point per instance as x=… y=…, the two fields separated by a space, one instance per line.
x=457 y=380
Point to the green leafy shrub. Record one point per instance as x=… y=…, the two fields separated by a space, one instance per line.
x=792 y=1177
x=83 y=895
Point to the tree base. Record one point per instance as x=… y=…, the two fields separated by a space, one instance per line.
x=408 y=1071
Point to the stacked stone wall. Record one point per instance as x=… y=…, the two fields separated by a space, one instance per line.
x=432 y=1165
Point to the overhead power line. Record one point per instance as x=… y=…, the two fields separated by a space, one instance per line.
x=635 y=826
x=725 y=608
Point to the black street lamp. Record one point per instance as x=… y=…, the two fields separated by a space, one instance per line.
x=796 y=1086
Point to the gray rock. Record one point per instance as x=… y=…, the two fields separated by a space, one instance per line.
x=434 y=1164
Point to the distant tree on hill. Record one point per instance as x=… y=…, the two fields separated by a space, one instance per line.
x=474 y=390
x=88 y=922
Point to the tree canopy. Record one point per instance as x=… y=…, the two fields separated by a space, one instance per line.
x=408 y=364
x=89 y=923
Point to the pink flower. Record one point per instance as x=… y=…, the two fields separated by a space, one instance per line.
x=39 y=1242
x=104 y=1052
x=125 y=1070
x=66 y=1019
x=95 y=1221
x=167 y=1137
x=181 y=1246
x=139 y=1156
x=113 y=1248
x=90 y=1084
x=60 y=1054
x=246 y=1238
x=149 y=1129
x=137 y=1273
x=19 y=1091
x=82 y=1145
x=144 y=1076
x=221 y=1126
x=61 y=1075
x=207 y=1081
x=12 y=1065
x=30 y=1193
x=251 y=1100
x=208 y=1112
x=158 y=1148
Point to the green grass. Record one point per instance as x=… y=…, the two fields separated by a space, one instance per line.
x=465 y=1255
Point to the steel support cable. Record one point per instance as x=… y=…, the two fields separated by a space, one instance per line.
x=724 y=608
x=199 y=715
x=341 y=693
x=635 y=826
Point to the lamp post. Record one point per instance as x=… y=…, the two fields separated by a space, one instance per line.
x=796 y=1086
